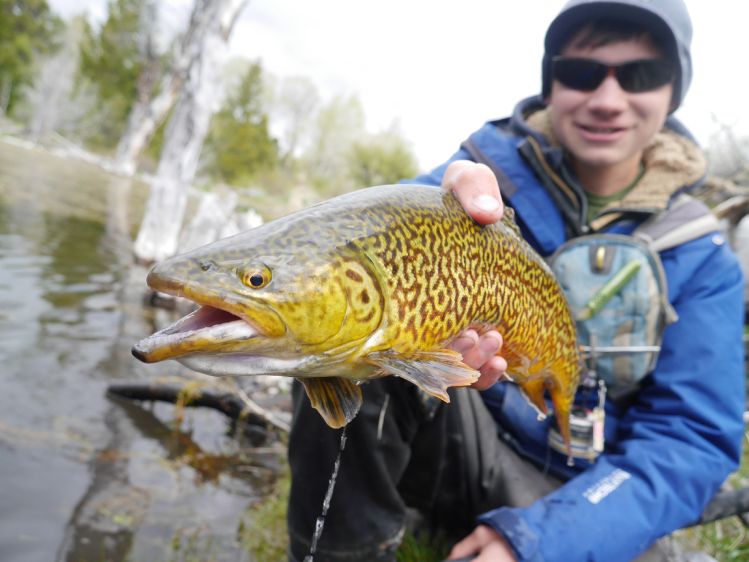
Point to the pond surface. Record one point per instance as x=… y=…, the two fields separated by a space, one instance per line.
x=84 y=477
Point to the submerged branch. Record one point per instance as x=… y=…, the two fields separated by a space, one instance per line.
x=237 y=405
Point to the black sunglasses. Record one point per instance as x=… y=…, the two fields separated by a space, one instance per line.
x=633 y=76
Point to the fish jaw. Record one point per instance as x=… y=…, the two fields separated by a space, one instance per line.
x=241 y=364
x=208 y=329
x=223 y=324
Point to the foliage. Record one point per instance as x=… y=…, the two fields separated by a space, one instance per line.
x=338 y=124
x=27 y=29
x=111 y=59
x=266 y=536
x=421 y=548
x=239 y=142
x=48 y=103
x=381 y=159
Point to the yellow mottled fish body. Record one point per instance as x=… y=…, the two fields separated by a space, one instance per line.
x=374 y=282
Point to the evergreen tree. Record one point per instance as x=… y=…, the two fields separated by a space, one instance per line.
x=27 y=28
x=381 y=159
x=239 y=142
x=111 y=60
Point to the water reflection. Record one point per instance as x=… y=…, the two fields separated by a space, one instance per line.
x=85 y=478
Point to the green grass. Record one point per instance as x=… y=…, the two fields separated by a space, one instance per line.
x=265 y=536
x=422 y=548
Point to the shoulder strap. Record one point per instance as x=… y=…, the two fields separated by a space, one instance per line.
x=685 y=220
x=520 y=185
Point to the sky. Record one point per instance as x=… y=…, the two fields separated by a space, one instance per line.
x=440 y=68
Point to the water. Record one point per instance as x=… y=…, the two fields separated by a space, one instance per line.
x=320 y=521
x=85 y=478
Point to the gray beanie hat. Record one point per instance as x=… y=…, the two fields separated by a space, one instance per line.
x=668 y=20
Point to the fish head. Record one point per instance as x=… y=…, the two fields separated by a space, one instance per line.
x=265 y=309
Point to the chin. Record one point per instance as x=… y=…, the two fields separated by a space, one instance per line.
x=601 y=158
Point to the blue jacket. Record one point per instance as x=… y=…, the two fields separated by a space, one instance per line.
x=670 y=448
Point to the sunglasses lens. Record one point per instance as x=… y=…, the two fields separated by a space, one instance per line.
x=644 y=75
x=579 y=74
x=634 y=77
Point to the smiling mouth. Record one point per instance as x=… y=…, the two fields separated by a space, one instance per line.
x=603 y=130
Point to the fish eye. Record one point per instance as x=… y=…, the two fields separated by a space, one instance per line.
x=255 y=277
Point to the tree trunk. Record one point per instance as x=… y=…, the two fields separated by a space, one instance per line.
x=213 y=214
x=149 y=112
x=145 y=116
x=5 y=89
x=212 y=21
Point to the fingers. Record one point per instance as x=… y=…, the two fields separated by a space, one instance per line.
x=492 y=371
x=468 y=546
x=465 y=342
x=484 y=542
x=487 y=347
x=476 y=187
x=482 y=353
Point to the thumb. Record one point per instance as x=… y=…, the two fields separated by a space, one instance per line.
x=476 y=188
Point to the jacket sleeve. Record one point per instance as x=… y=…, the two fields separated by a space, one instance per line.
x=673 y=447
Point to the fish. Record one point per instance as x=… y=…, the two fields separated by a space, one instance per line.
x=375 y=282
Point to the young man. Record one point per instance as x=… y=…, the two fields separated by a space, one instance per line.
x=596 y=152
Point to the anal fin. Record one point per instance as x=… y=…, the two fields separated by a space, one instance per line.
x=432 y=371
x=336 y=399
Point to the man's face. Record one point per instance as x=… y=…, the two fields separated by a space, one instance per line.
x=608 y=127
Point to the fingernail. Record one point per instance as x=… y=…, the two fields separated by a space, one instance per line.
x=489 y=345
x=461 y=345
x=486 y=203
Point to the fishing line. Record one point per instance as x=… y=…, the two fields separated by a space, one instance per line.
x=320 y=522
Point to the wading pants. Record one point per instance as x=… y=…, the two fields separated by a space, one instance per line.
x=402 y=451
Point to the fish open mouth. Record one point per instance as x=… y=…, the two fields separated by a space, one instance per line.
x=206 y=330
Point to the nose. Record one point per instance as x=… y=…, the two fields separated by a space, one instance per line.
x=609 y=97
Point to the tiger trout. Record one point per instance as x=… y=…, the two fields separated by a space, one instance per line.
x=376 y=282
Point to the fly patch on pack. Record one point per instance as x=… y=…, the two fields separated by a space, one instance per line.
x=617 y=292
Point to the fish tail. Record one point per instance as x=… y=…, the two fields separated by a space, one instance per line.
x=562 y=405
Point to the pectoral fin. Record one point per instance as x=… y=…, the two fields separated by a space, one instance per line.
x=432 y=371
x=338 y=400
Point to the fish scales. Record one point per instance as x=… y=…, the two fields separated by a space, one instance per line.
x=374 y=282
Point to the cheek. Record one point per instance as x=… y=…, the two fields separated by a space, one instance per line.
x=653 y=106
x=563 y=103
x=563 y=100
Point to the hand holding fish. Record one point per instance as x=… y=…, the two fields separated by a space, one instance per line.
x=480 y=352
x=486 y=544
x=477 y=190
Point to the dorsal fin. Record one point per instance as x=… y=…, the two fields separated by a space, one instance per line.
x=508 y=219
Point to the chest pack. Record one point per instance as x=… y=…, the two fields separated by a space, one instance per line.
x=614 y=284
x=618 y=294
